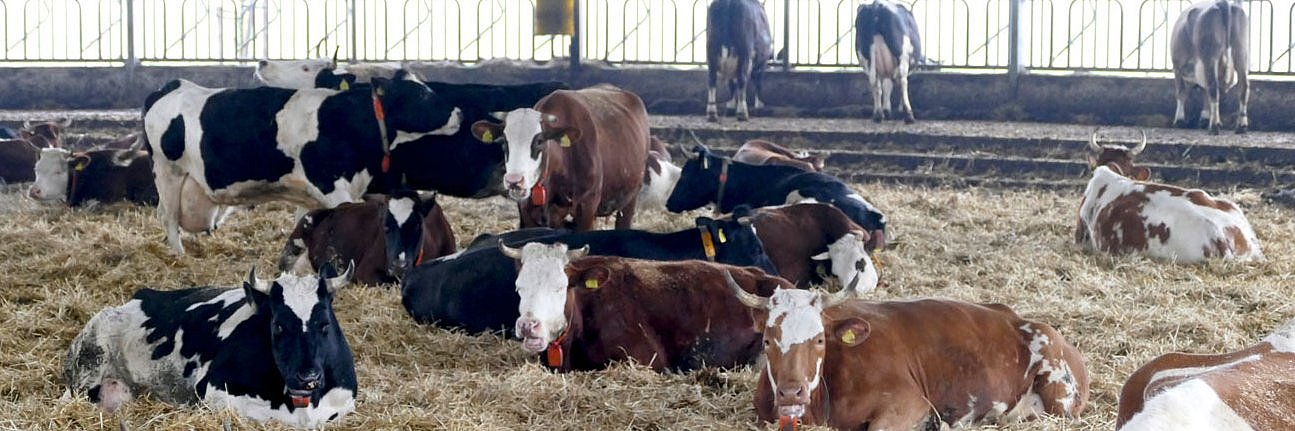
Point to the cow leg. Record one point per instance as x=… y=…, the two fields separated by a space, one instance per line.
x=887 y=97
x=757 y=78
x=584 y=216
x=743 y=77
x=168 y=205
x=1060 y=379
x=1212 y=93
x=874 y=87
x=1243 y=86
x=903 y=98
x=625 y=217
x=712 y=113
x=732 y=96
x=906 y=411
x=1180 y=93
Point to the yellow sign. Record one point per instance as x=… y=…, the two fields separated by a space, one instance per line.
x=554 y=17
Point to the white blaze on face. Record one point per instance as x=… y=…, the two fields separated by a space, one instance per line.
x=521 y=126
x=542 y=286
x=846 y=255
x=300 y=295
x=400 y=210
x=798 y=313
x=52 y=174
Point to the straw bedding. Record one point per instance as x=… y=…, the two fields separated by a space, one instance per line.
x=58 y=267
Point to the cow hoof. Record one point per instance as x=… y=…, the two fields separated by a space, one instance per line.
x=742 y=117
x=1180 y=124
x=1214 y=130
x=1204 y=124
x=1241 y=130
x=712 y=118
x=908 y=119
x=876 y=118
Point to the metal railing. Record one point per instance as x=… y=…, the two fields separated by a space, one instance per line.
x=1101 y=35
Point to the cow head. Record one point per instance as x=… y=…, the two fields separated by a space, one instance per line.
x=304 y=336
x=795 y=339
x=52 y=174
x=698 y=183
x=295 y=74
x=45 y=134
x=735 y=240
x=1118 y=157
x=413 y=110
x=849 y=259
x=526 y=135
x=402 y=225
x=542 y=286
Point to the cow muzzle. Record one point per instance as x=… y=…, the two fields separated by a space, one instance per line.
x=516 y=189
x=34 y=192
x=301 y=392
x=791 y=399
x=532 y=335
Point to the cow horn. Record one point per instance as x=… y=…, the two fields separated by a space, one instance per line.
x=512 y=253
x=1092 y=143
x=833 y=299
x=335 y=49
x=688 y=154
x=578 y=253
x=500 y=115
x=1141 y=146
x=340 y=281
x=744 y=220
x=748 y=299
x=258 y=284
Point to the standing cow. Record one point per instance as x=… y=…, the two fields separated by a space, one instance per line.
x=271 y=350
x=738 y=46
x=315 y=148
x=888 y=47
x=888 y=365
x=1209 y=51
x=578 y=154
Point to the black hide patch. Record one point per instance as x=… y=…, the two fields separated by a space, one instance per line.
x=239 y=136
x=173 y=139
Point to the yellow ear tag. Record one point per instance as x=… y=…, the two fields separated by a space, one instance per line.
x=565 y=142
x=345 y=86
x=876 y=261
x=80 y=167
x=708 y=245
x=591 y=283
x=722 y=239
x=847 y=337
x=488 y=136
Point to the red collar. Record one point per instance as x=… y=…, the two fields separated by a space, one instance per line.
x=554 y=352
x=381 y=115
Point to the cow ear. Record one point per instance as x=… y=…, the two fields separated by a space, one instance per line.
x=256 y=290
x=592 y=278
x=821 y=256
x=851 y=331
x=572 y=134
x=1141 y=173
x=487 y=132
x=426 y=203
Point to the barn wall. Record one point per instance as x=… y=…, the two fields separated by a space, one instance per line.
x=1069 y=99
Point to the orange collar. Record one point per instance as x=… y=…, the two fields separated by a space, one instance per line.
x=554 y=352
x=381 y=115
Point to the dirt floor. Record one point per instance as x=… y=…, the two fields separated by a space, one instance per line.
x=58 y=267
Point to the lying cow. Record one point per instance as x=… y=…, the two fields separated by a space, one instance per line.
x=1210 y=51
x=853 y=364
x=709 y=178
x=1248 y=389
x=384 y=236
x=1121 y=213
x=586 y=313
x=474 y=290
x=762 y=152
x=271 y=350
x=738 y=48
x=888 y=47
x=578 y=154
x=17 y=156
x=798 y=238
x=322 y=148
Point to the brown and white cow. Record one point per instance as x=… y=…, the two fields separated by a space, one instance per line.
x=18 y=156
x=1249 y=389
x=762 y=152
x=854 y=364
x=821 y=232
x=384 y=236
x=1209 y=50
x=1122 y=213
x=577 y=153
x=588 y=311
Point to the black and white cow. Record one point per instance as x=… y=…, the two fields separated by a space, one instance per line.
x=738 y=48
x=888 y=46
x=271 y=350
x=474 y=290
x=1209 y=51
x=710 y=178
x=315 y=148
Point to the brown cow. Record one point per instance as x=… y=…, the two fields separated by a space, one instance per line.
x=1248 y=389
x=1209 y=50
x=791 y=233
x=18 y=156
x=762 y=152
x=375 y=234
x=887 y=365
x=578 y=154
x=1119 y=214
x=588 y=312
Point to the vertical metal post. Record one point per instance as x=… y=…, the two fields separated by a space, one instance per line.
x=1015 y=44
x=575 y=40
x=786 y=34
x=131 y=59
x=351 y=17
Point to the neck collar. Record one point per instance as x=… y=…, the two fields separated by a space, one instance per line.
x=380 y=115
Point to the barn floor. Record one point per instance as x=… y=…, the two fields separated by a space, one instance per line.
x=58 y=267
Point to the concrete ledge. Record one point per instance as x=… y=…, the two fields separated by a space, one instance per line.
x=1077 y=99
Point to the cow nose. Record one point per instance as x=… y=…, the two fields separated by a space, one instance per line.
x=513 y=179
x=309 y=379
x=34 y=192
x=791 y=392
x=528 y=328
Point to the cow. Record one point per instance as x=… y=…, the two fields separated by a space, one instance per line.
x=19 y=155
x=492 y=240
x=798 y=238
x=1209 y=51
x=659 y=178
x=738 y=48
x=385 y=236
x=710 y=178
x=316 y=148
x=888 y=46
x=1248 y=389
x=577 y=153
x=474 y=290
x=271 y=350
x=762 y=152
x=898 y=365
x=1122 y=213
x=586 y=312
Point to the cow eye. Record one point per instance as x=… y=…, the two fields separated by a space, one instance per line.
x=767 y=343
x=820 y=341
x=278 y=328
